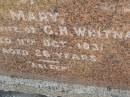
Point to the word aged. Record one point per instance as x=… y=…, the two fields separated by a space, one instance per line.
x=11 y=51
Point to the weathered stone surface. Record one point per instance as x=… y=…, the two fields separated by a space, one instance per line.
x=18 y=94
x=55 y=89
x=77 y=41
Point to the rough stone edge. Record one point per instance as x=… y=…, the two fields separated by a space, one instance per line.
x=8 y=83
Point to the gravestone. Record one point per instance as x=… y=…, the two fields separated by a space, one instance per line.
x=83 y=42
